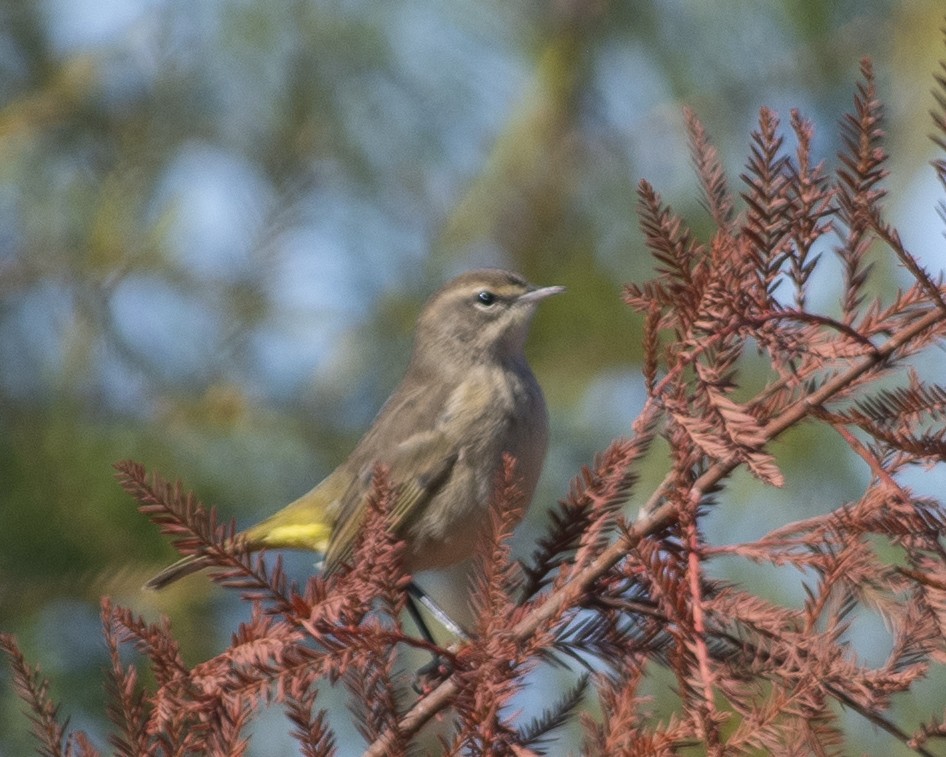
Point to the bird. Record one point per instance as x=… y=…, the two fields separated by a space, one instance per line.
x=467 y=399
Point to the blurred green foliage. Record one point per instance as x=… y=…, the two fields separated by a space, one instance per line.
x=218 y=220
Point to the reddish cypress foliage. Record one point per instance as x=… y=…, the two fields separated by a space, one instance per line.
x=750 y=675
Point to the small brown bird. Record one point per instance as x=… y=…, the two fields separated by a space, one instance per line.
x=467 y=398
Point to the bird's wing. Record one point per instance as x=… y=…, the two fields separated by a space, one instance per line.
x=419 y=467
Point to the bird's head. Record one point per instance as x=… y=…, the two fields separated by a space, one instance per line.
x=479 y=316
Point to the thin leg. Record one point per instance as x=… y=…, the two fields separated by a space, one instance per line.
x=414 y=611
x=438 y=668
x=416 y=593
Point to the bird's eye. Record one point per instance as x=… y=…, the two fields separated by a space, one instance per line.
x=486 y=298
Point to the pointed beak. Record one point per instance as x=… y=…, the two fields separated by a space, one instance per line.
x=535 y=295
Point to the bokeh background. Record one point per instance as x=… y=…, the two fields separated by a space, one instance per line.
x=218 y=221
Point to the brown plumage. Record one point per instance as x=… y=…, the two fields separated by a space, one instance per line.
x=468 y=397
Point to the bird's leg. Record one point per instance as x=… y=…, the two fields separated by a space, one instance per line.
x=438 y=668
x=416 y=593
x=418 y=619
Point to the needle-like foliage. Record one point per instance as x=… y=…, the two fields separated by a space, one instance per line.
x=624 y=597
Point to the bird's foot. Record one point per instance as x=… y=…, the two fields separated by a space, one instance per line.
x=431 y=675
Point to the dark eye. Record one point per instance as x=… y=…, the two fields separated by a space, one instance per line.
x=486 y=298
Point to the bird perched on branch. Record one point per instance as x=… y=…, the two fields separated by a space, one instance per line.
x=468 y=398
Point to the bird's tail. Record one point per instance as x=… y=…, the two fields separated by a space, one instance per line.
x=302 y=524
x=183 y=567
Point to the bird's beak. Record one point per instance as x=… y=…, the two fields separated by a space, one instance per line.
x=535 y=295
